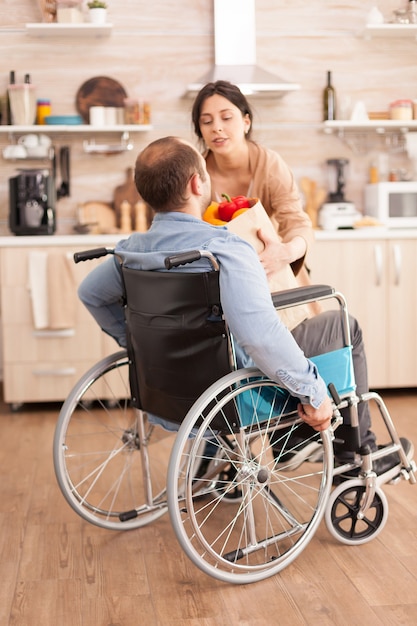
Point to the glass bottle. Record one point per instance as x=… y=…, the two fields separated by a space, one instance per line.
x=12 y=81
x=329 y=100
x=412 y=11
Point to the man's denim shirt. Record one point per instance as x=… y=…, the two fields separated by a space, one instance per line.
x=261 y=338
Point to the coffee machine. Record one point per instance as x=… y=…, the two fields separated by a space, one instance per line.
x=337 y=212
x=32 y=202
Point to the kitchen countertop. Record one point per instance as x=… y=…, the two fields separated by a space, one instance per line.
x=35 y=241
x=373 y=232
x=370 y=232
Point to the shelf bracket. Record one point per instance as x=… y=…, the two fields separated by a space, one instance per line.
x=91 y=147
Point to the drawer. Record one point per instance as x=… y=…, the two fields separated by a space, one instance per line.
x=15 y=262
x=41 y=382
x=49 y=382
x=23 y=344
x=16 y=307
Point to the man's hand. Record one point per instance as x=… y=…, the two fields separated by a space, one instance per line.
x=320 y=418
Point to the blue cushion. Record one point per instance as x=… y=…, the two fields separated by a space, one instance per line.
x=261 y=403
x=337 y=367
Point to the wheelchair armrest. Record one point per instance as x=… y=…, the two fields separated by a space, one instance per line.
x=299 y=295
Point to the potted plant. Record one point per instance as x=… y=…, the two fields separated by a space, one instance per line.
x=97 y=10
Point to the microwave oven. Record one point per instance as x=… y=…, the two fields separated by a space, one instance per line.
x=394 y=204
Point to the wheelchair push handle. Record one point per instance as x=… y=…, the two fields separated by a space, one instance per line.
x=87 y=255
x=189 y=257
x=182 y=259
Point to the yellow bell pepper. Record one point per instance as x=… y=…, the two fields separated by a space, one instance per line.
x=211 y=215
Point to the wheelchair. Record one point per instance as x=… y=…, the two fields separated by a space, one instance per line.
x=224 y=459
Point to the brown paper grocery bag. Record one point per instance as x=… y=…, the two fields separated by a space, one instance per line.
x=246 y=227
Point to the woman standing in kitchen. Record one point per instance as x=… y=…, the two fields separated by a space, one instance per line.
x=222 y=120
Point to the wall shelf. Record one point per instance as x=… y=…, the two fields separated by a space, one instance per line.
x=377 y=126
x=48 y=129
x=87 y=30
x=390 y=30
x=363 y=137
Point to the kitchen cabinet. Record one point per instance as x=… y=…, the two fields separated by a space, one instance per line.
x=378 y=276
x=43 y=365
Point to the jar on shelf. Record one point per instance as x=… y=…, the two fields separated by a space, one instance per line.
x=43 y=109
x=401 y=110
x=69 y=11
x=131 y=110
x=146 y=113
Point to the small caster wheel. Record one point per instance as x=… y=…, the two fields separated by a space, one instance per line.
x=342 y=509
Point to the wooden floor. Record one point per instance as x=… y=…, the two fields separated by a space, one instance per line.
x=57 y=570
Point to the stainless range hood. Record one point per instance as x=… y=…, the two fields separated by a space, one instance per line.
x=235 y=53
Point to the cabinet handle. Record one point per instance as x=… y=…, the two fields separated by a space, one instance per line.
x=51 y=334
x=378 y=265
x=396 y=250
x=64 y=371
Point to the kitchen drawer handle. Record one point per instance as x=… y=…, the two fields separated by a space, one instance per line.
x=397 y=264
x=64 y=371
x=66 y=332
x=378 y=265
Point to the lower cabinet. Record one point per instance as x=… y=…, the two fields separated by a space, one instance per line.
x=43 y=364
x=379 y=280
x=377 y=276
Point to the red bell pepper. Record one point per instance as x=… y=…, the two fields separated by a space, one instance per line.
x=230 y=205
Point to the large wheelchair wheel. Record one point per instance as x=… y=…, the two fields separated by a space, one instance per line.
x=110 y=462
x=343 y=518
x=242 y=511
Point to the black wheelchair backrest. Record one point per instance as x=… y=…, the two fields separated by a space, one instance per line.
x=177 y=338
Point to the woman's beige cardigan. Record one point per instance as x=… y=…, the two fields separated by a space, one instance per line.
x=274 y=185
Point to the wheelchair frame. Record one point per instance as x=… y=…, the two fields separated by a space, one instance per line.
x=241 y=505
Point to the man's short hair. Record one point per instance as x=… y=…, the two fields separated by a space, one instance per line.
x=163 y=171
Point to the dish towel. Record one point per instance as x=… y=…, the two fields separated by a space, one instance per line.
x=52 y=289
x=62 y=296
x=38 y=288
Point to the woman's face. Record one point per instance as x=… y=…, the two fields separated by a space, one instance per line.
x=222 y=124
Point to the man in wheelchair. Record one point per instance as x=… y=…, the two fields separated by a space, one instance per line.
x=171 y=177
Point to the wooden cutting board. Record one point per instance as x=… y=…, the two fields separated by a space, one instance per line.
x=99 y=91
x=100 y=216
x=127 y=192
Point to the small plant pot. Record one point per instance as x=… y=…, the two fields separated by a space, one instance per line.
x=97 y=16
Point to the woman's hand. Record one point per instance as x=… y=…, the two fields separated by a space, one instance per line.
x=276 y=255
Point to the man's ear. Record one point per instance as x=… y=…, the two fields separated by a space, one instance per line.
x=195 y=183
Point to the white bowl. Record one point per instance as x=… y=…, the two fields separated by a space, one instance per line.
x=29 y=141
x=38 y=151
x=14 y=152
